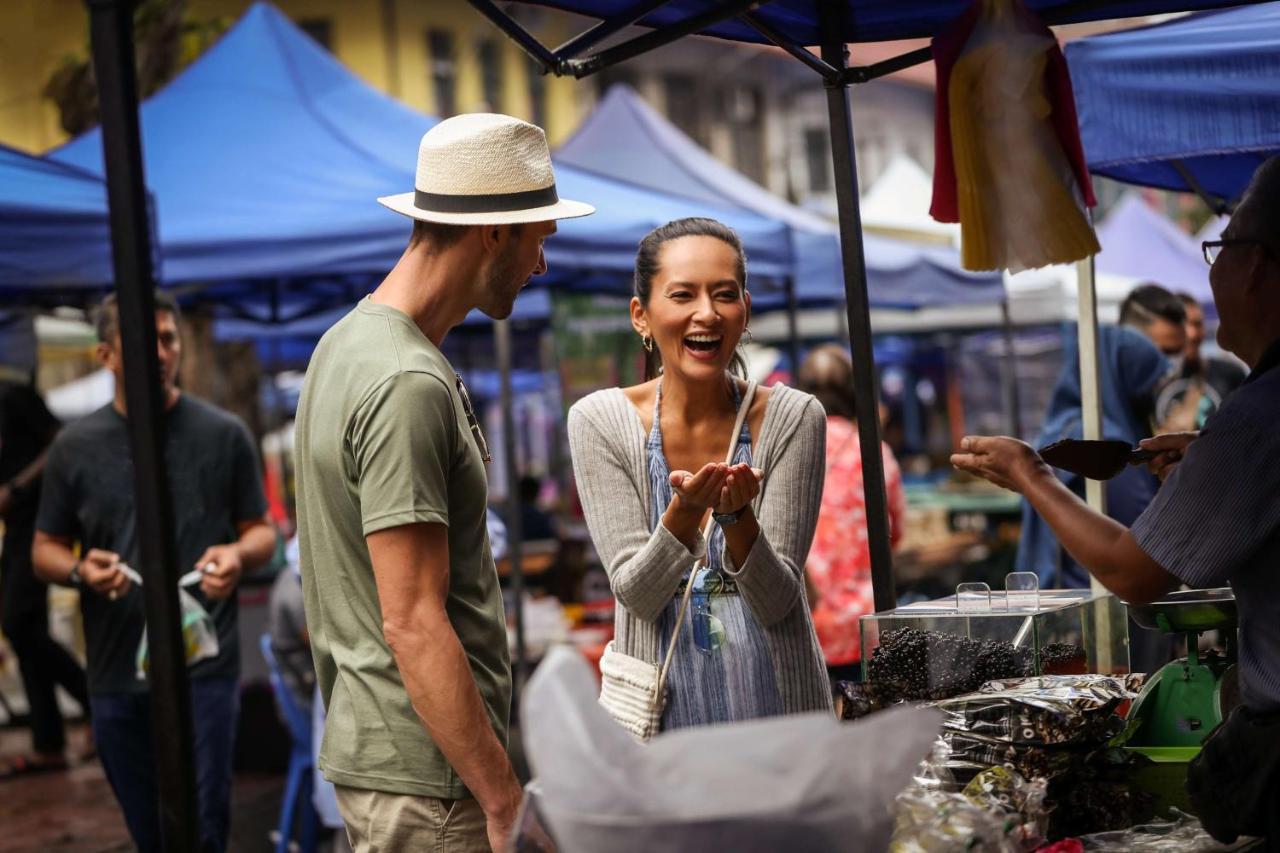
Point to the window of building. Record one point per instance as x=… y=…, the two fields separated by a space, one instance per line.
x=681 y=94
x=489 y=55
x=817 y=160
x=537 y=93
x=320 y=29
x=443 y=63
x=741 y=109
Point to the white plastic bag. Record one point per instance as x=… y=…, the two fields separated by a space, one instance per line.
x=797 y=783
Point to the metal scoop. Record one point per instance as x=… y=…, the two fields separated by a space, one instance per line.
x=1097 y=460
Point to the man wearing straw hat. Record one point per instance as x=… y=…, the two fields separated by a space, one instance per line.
x=402 y=597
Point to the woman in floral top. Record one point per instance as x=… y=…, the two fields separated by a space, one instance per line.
x=839 y=563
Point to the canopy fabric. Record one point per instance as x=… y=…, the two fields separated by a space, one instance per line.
x=626 y=139
x=1201 y=91
x=870 y=20
x=54 y=228
x=533 y=305
x=267 y=156
x=1140 y=243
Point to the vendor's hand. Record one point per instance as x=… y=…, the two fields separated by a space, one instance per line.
x=701 y=491
x=222 y=567
x=741 y=485
x=1172 y=446
x=1007 y=462
x=100 y=571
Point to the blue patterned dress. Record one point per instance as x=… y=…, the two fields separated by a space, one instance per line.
x=734 y=680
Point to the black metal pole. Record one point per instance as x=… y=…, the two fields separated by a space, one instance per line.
x=515 y=529
x=111 y=34
x=793 y=329
x=1013 y=399
x=831 y=23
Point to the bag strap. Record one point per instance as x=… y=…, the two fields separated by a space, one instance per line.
x=706 y=536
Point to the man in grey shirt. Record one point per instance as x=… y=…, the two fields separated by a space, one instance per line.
x=1215 y=520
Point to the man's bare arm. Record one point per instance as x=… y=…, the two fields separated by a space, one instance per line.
x=411 y=568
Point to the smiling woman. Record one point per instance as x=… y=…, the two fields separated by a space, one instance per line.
x=653 y=474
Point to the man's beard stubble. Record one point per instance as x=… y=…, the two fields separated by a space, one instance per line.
x=500 y=288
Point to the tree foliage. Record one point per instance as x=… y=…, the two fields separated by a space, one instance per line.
x=166 y=40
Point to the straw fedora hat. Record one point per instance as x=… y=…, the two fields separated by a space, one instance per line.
x=484 y=169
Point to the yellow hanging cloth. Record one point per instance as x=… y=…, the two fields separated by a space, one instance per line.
x=1020 y=204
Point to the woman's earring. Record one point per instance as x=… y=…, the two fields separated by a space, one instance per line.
x=648 y=343
x=746 y=335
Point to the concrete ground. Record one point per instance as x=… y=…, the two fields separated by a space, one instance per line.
x=74 y=810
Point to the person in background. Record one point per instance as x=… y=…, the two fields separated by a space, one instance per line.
x=1202 y=384
x=1134 y=358
x=535 y=523
x=290 y=642
x=26 y=430
x=1158 y=314
x=839 y=564
x=221 y=527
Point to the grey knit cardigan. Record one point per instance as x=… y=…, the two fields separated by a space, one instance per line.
x=608 y=444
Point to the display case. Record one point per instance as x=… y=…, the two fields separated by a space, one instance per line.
x=937 y=649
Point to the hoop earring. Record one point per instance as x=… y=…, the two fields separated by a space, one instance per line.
x=648 y=343
x=747 y=336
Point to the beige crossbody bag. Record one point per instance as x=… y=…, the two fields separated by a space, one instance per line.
x=633 y=691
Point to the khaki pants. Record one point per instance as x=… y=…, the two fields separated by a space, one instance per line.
x=379 y=822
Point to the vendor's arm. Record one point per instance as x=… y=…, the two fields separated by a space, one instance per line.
x=411 y=569
x=644 y=567
x=771 y=576
x=1103 y=546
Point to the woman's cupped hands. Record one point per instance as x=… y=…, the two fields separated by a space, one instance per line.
x=717 y=486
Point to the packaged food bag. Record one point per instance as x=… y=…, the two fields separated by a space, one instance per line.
x=199 y=635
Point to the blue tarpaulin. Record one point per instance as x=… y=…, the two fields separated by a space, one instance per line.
x=869 y=20
x=266 y=157
x=54 y=230
x=625 y=139
x=1202 y=91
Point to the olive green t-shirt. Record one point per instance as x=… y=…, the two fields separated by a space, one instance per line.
x=382 y=440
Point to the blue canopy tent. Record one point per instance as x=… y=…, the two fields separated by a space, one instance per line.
x=54 y=233
x=267 y=155
x=625 y=139
x=1191 y=105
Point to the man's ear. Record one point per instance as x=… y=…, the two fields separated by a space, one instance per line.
x=102 y=352
x=492 y=237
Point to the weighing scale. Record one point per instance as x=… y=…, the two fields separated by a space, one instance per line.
x=1182 y=702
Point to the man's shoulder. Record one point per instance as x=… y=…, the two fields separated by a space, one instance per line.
x=91 y=427
x=207 y=416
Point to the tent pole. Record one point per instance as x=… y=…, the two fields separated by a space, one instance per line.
x=1090 y=391
x=1012 y=400
x=793 y=329
x=831 y=20
x=515 y=532
x=111 y=37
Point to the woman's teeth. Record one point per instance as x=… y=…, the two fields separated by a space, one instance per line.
x=703 y=343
